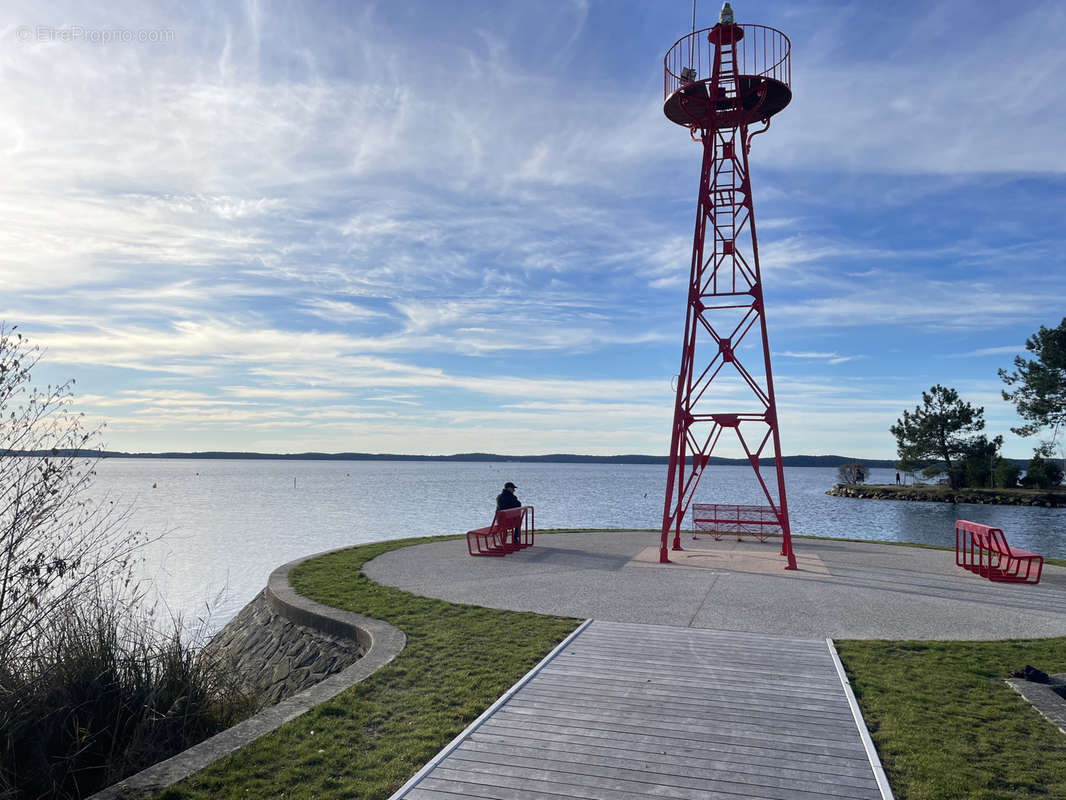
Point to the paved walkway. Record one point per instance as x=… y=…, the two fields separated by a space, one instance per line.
x=841 y=589
x=710 y=677
x=626 y=711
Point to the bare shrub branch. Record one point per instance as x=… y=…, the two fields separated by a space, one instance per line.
x=55 y=542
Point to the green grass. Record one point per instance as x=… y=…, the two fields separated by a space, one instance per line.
x=370 y=739
x=945 y=724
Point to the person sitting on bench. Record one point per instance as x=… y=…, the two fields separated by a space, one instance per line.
x=507 y=499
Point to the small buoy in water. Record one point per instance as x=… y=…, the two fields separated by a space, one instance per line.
x=153 y=485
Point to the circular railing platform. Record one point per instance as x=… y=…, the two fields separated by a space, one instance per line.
x=761 y=57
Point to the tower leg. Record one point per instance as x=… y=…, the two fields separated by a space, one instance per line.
x=725 y=306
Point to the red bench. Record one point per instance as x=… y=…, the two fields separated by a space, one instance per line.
x=720 y=518
x=983 y=550
x=497 y=539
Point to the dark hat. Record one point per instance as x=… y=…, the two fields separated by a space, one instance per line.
x=509 y=485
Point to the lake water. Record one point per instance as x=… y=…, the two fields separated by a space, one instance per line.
x=227 y=524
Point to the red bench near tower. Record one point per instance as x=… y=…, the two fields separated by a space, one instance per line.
x=983 y=550
x=726 y=518
x=497 y=539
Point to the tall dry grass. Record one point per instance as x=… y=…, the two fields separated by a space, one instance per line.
x=103 y=693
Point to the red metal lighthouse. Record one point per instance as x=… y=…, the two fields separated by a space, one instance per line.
x=719 y=81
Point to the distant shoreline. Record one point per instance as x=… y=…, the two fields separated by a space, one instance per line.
x=555 y=458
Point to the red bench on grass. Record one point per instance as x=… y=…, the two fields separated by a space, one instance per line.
x=497 y=539
x=719 y=518
x=983 y=550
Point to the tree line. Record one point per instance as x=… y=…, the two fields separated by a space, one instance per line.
x=943 y=436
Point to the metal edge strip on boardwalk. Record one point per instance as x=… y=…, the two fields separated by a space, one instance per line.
x=860 y=723
x=477 y=723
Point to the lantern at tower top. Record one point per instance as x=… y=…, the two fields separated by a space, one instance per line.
x=727 y=76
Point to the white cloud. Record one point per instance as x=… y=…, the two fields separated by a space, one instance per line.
x=915 y=99
x=930 y=304
x=344 y=230
x=1005 y=350
x=340 y=310
x=829 y=358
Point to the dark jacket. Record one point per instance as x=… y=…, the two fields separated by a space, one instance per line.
x=507 y=499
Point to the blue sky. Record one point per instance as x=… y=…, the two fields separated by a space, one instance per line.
x=429 y=227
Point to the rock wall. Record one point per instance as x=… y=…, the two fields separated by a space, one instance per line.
x=275 y=657
x=940 y=494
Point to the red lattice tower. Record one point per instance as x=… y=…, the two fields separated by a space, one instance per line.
x=719 y=81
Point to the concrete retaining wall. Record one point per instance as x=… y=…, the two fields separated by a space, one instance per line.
x=378 y=641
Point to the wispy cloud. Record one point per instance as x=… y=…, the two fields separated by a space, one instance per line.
x=922 y=83
x=1006 y=350
x=402 y=226
x=829 y=358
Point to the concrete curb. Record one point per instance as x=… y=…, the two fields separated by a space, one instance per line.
x=382 y=643
x=860 y=724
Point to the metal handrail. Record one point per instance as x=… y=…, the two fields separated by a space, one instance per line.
x=763 y=51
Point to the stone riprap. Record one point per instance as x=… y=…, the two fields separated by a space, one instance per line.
x=939 y=494
x=273 y=656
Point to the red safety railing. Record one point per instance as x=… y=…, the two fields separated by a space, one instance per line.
x=763 y=51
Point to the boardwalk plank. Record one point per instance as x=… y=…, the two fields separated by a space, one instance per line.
x=559 y=761
x=838 y=707
x=594 y=696
x=676 y=743
x=697 y=682
x=579 y=785
x=652 y=780
x=697 y=672
x=686 y=729
x=651 y=717
x=750 y=649
x=420 y=793
x=725 y=672
x=711 y=755
x=725 y=706
x=805 y=659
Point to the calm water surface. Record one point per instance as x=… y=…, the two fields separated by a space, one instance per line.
x=227 y=524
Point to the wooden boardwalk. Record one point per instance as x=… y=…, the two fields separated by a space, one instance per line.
x=626 y=712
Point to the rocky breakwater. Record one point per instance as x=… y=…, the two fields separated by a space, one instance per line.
x=274 y=657
x=945 y=494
